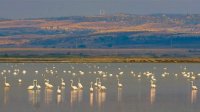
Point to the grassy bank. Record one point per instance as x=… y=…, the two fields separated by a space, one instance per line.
x=97 y=60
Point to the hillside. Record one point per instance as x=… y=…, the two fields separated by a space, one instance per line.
x=119 y=31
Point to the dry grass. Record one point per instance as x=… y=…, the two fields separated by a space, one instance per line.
x=101 y=60
x=21 y=23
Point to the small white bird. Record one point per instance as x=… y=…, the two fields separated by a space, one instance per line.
x=73 y=74
x=69 y=71
x=36 y=72
x=104 y=75
x=117 y=76
x=24 y=72
x=20 y=81
x=120 y=73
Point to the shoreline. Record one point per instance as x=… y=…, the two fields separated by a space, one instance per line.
x=99 y=60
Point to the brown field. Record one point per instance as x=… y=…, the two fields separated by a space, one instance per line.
x=100 y=26
x=20 y=23
x=113 y=27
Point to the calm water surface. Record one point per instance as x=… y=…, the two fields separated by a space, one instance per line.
x=172 y=94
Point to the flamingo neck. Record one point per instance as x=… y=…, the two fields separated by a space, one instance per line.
x=71 y=83
x=91 y=85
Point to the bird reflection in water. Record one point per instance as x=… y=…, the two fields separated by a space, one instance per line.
x=119 y=94
x=48 y=95
x=34 y=96
x=101 y=98
x=6 y=97
x=59 y=98
x=80 y=95
x=91 y=99
x=73 y=97
x=152 y=95
x=193 y=96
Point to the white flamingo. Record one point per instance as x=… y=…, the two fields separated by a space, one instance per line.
x=62 y=82
x=194 y=87
x=102 y=88
x=47 y=84
x=6 y=83
x=96 y=83
x=119 y=84
x=91 y=88
x=80 y=86
x=37 y=85
x=73 y=87
x=31 y=87
x=153 y=85
x=99 y=84
x=59 y=90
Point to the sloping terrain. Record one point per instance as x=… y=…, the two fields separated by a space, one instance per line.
x=120 y=31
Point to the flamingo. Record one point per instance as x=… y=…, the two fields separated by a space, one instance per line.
x=80 y=86
x=99 y=84
x=5 y=83
x=47 y=84
x=31 y=87
x=59 y=90
x=73 y=87
x=102 y=87
x=194 y=87
x=96 y=83
x=119 y=84
x=91 y=88
x=62 y=82
x=36 y=84
x=153 y=85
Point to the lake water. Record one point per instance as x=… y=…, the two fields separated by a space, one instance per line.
x=173 y=92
